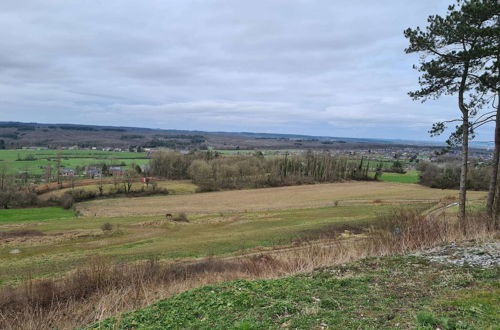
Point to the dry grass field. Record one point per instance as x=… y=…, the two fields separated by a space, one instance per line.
x=293 y=197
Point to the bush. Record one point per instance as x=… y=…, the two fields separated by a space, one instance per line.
x=73 y=196
x=14 y=197
x=181 y=217
x=107 y=227
x=448 y=176
x=427 y=319
x=66 y=201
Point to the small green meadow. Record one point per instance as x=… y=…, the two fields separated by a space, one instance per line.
x=11 y=216
x=410 y=176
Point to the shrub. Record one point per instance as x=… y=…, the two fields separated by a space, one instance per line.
x=69 y=198
x=66 y=201
x=181 y=217
x=427 y=319
x=448 y=176
x=15 y=197
x=107 y=227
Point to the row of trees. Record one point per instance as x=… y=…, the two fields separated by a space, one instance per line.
x=211 y=171
x=460 y=56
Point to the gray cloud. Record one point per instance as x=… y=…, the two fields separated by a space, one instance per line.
x=298 y=66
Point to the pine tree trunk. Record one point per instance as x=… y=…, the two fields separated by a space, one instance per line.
x=492 y=192
x=496 y=202
x=465 y=145
x=464 y=169
x=496 y=207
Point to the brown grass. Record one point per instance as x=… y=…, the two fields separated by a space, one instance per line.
x=45 y=239
x=329 y=232
x=317 y=195
x=449 y=198
x=20 y=233
x=103 y=289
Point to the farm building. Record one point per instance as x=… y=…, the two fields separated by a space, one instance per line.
x=93 y=172
x=67 y=171
x=117 y=171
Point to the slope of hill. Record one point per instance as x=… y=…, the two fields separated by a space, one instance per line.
x=391 y=292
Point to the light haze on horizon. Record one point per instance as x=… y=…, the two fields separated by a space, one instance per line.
x=333 y=68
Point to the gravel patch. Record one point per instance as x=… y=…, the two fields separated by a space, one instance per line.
x=471 y=253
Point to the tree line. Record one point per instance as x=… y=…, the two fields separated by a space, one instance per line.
x=211 y=171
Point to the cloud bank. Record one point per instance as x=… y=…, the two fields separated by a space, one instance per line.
x=289 y=66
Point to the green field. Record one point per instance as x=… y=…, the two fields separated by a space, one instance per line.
x=411 y=176
x=395 y=292
x=9 y=159
x=32 y=215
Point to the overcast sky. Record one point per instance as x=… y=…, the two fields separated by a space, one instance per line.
x=320 y=67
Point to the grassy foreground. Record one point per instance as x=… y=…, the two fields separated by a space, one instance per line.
x=373 y=293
